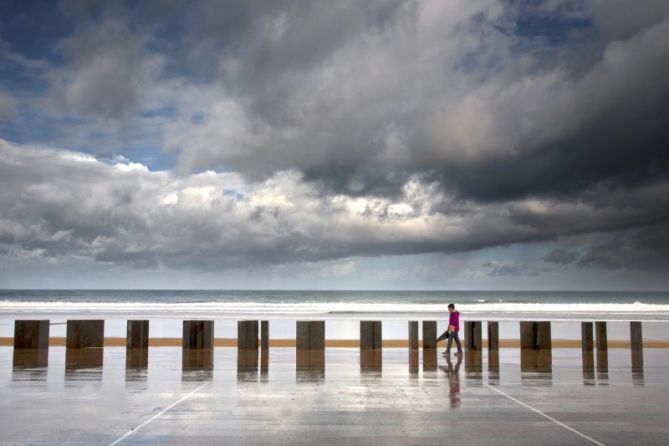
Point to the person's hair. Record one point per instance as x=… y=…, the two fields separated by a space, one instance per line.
x=451 y=306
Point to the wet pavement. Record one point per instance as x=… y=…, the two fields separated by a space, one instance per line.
x=339 y=397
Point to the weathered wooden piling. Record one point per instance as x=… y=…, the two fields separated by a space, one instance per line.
x=413 y=335
x=602 y=345
x=587 y=336
x=31 y=334
x=600 y=336
x=198 y=345
x=535 y=335
x=536 y=347
x=247 y=349
x=636 y=348
x=31 y=343
x=636 y=337
x=84 y=344
x=370 y=335
x=137 y=343
x=473 y=335
x=493 y=336
x=429 y=335
x=247 y=335
x=310 y=348
x=587 y=352
x=264 y=335
x=429 y=345
x=85 y=333
x=371 y=345
x=310 y=335
x=198 y=334
x=137 y=335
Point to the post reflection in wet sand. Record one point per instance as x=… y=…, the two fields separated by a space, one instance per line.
x=137 y=358
x=602 y=367
x=637 y=368
x=493 y=367
x=536 y=367
x=310 y=365
x=413 y=362
x=371 y=360
x=247 y=364
x=136 y=374
x=429 y=359
x=453 y=374
x=264 y=364
x=30 y=364
x=473 y=364
x=197 y=359
x=588 y=359
x=84 y=363
x=30 y=357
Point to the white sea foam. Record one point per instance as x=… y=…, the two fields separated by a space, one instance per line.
x=337 y=310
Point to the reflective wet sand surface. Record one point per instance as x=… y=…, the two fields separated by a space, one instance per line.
x=345 y=398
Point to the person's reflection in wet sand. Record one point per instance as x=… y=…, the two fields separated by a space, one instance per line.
x=453 y=374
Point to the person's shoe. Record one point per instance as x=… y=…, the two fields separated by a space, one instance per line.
x=446 y=353
x=458 y=353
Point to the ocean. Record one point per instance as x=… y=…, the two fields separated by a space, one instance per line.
x=483 y=305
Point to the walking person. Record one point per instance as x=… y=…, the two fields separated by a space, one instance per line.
x=453 y=329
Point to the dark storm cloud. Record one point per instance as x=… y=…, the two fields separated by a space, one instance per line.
x=363 y=107
x=349 y=128
x=645 y=248
x=561 y=256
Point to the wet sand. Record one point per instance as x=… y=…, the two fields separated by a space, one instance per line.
x=503 y=400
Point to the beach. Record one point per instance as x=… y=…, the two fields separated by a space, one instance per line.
x=341 y=394
x=340 y=404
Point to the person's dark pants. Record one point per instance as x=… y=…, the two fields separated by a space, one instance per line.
x=454 y=335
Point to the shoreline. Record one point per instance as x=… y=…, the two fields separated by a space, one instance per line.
x=342 y=343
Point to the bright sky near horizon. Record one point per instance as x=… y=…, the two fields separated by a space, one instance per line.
x=384 y=144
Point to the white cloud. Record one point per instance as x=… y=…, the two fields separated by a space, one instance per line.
x=66 y=203
x=8 y=107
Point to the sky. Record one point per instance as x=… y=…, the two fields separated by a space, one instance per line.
x=381 y=144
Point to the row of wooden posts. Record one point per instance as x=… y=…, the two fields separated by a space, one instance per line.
x=310 y=335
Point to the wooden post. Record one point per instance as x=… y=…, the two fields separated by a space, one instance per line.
x=493 y=336
x=247 y=335
x=85 y=333
x=586 y=336
x=600 y=329
x=473 y=335
x=31 y=343
x=264 y=335
x=84 y=344
x=198 y=345
x=429 y=335
x=413 y=335
x=310 y=349
x=636 y=338
x=535 y=335
x=370 y=335
x=310 y=335
x=137 y=343
x=429 y=345
x=371 y=345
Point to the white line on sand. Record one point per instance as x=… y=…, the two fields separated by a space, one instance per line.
x=132 y=431
x=545 y=416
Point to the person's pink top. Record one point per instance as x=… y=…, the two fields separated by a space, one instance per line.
x=454 y=319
